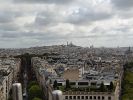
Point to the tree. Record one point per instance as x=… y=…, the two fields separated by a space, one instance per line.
x=10 y=98
x=55 y=85
x=35 y=91
x=67 y=84
x=111 y=86
x=50 y=81
x=102 y=87
x=31 y=84
x=36 y=98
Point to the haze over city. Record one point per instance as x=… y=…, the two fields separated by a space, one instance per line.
x=28 y=23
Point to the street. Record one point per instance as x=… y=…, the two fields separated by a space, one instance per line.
x=25 y=93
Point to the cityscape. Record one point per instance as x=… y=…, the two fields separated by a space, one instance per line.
x=66 y=49
x=66 y=72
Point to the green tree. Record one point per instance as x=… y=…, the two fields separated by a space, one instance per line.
x=50 y=81
x=31 y=84
x=36 y=98
x=10 y=98
x=111 y=86
x=35 y=91
x=55 y=85
x=102 y=87
x=67 y=84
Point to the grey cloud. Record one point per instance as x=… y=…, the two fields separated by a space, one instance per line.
x=9 y=27
x=119 y=31
x=7 y=20
x=50 y=25
x=79 y=16
x=124 y=14
x=10 y=34
x=18 y=34
x=4 y=18
x=44 y=1
x=9 y=16
x=45 y=35
x=31 y=35
x=42 y=19
x=45 y=18
x=122 y=29
x=123 y=4
x=85 y=15
x=97 y=30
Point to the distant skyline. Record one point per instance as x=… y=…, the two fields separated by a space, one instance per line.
x=30 y=23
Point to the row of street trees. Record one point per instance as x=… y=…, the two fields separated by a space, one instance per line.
x=35 y=92
x=33 y=89
x=109 y=88
x=55 y=85
x=127 y=82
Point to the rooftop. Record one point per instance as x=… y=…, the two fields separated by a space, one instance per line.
x=72 y=74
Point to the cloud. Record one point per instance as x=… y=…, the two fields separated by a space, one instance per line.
x=76 y=16
x=9 y=35
x=5 y=17
x=123 y=4
x=37 y=22
x=44 y=1
x=32 y=35
x=86 y=15
x=9 y=27
x=9 y=16
x=46 y=18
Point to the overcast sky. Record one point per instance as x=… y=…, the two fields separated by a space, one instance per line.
x=29 y=23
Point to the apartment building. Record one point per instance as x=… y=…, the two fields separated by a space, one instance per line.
x=9 y=69
x=3 y=88
x=81 y=76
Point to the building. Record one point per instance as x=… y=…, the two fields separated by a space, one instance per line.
x=9 y=70
x=3 y=88
x=85 y=78
x=17 y=91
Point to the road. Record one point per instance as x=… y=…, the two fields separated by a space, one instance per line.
x=25 y=77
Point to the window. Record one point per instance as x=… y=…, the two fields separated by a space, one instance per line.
x=74 y=97
x=70 y=97
x=82 y=97
x=93 y=84
x=102 y=97
x=90 y=97
x=66 y=97
x=78 y=97
x=98 y=97
x=86 y=97
x=109 y=98
x=94 y=97
x=72 y=83
x=59 y=84
x=82 y=83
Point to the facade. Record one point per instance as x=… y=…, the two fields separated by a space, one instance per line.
x=3 y=88
x=89 y=96
x=69 y=95
x=17 y=91
x=9 y=70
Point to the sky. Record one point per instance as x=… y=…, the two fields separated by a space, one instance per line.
x=30 y=23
